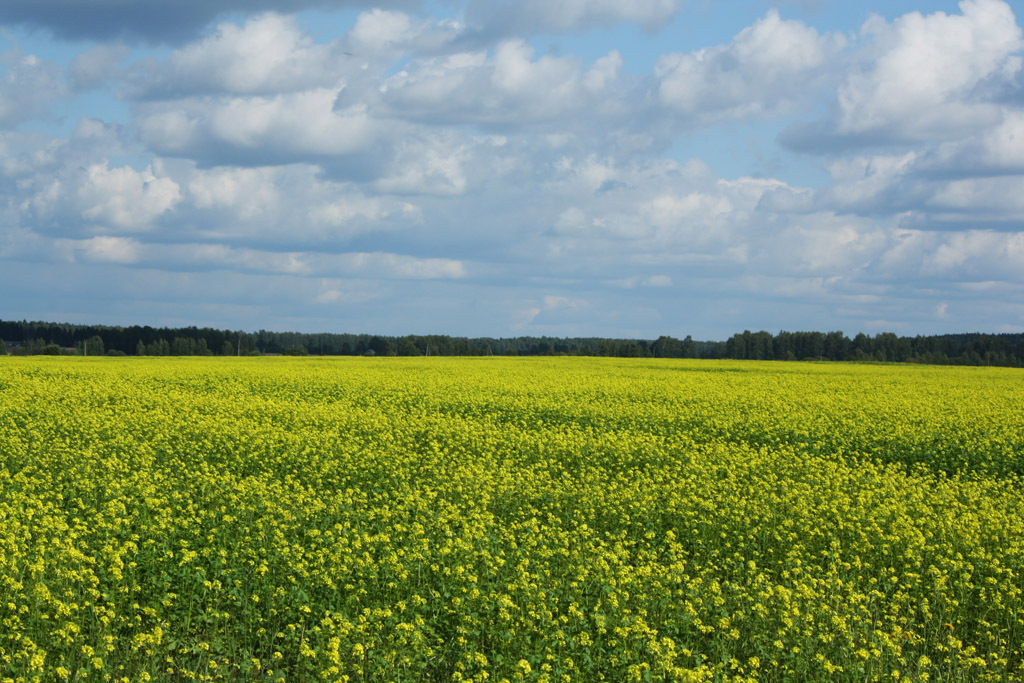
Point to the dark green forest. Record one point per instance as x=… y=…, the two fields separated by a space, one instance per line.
x=33 y=338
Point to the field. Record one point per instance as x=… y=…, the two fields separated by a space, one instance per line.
x=497 y=519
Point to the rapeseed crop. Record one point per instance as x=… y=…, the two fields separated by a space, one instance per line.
x=509 y=520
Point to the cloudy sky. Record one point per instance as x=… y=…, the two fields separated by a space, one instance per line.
x=624 y=168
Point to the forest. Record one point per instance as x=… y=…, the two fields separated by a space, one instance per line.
x=47 y=338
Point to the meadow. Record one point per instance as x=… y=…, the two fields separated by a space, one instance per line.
x=509 y=519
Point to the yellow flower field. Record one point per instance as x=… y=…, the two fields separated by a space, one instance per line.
x=507 y=519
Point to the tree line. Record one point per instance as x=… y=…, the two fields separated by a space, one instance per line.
x=32 y=338
x=943 y=349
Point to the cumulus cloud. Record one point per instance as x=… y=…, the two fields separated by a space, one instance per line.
x=206 y=256
x=382 y=34
x=923 y=78
x=96 y=66
x=269 y=54
x=28 y=86
x=974 y=256
x=823 y=245
x=767 y=70
x=107 y=249
x=996 y=150
x=509 y=87
x=156 y=22
x=528 y=185
x=919 y=189
x=124 y=198
x=249 y=192
x=285 y=207
x=284 y=128
x=927 y=72
x=114 y=200
x=432 y=164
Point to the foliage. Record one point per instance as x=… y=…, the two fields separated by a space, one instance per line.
x=93 y=346
x=959 y=349
x=516 y=519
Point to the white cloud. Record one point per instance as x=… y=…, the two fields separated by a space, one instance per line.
x=152 y=22
x=109 y=249
x=123 y=198
x=980 y=196
x=347 y=292
x=433 y=164
x=110 y=199
x=342 y=211
x=823 y=245
x=920 y=189
x=285 y=205
x=509 y=87
x=465 y=155
x=998 y=149
x=867 y=183
x=258 y=130
x=267 y=55
x=978 y=257
x=656 y=281
x=380 y=30
x=250 y=192
x=926 y=74
x=767 y=70
x=29 y=85
x=95 y=66
x=205 y=256
x=381 y=33
x=604 y=72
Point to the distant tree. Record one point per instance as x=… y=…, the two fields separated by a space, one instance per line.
x=158 y=348
x=760 y=346
x=93 y=346
x=736 y=346
x=984 y=349
x=629 y=349
x=378 y=345
x=689 y=348
x=35 y=346
x=181 y=346
x=782 y=346
x=52 y=349
x=406 y=347
x=296 y=350
x=667 y=347
x=862 y=347
x=836 y=346
x=810 y=345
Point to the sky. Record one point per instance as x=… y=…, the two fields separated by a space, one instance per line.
x=503 y=168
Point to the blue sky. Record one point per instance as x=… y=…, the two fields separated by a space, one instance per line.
x=503 y=168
